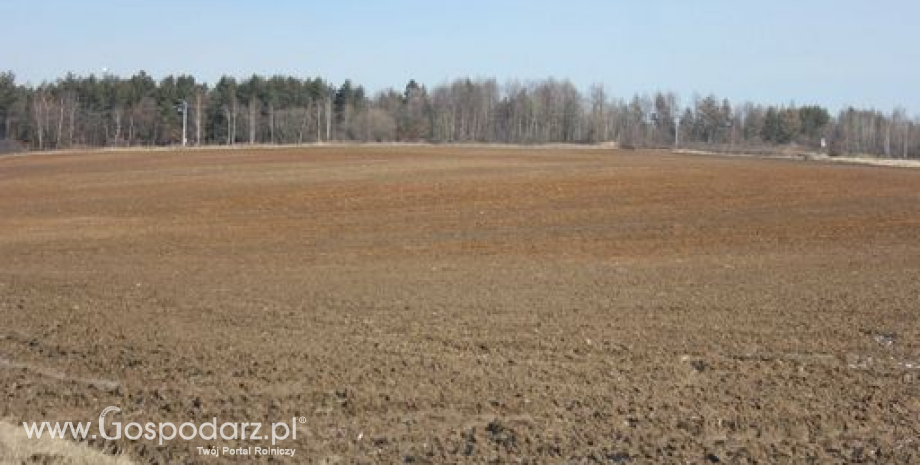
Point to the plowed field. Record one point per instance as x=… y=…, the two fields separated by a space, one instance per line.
x=468 y=305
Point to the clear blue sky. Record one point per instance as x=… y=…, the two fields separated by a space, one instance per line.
x=832 y=52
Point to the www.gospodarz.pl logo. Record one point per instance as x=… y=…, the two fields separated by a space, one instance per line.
x=168 y=431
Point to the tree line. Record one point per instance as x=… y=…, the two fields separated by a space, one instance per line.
x=111 y=111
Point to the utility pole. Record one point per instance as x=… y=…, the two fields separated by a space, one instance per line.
x=198 y=118
x=183 y=108
x=329 y=116
x=677 y=132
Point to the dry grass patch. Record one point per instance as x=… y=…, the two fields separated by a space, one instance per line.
x=17 y=448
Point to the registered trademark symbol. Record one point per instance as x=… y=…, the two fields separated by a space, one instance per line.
x=302 y=420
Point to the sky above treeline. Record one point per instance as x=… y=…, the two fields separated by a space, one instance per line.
x=829 y=52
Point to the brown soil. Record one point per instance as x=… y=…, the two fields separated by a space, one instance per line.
x=469 y=305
